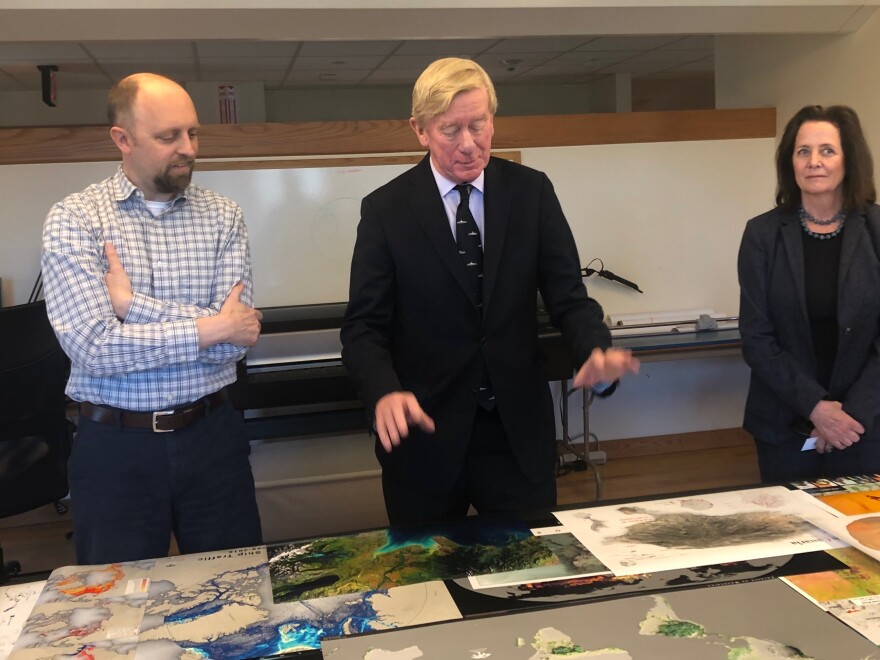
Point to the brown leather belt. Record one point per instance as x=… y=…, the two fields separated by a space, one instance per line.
x=160 y=421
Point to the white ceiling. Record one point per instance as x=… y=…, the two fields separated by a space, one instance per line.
x=286 y=64
x=299 y=43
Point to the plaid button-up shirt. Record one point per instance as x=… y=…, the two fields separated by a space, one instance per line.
x=182 y=265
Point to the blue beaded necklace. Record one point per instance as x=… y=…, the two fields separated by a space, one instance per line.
x=805 y=217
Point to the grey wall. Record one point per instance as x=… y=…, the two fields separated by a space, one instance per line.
x=788 y=72
x=609 y=94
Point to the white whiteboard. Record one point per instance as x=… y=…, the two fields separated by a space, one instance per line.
x=302 y=224
x=28 y=192
x=667 y=216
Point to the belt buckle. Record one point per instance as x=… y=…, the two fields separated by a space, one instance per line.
x=158 y=414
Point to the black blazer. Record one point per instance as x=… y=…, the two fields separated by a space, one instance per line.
x=412 y=325
x=775 y=328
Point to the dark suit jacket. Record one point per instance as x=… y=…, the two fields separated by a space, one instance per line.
x=775 y=328
x=411 y=324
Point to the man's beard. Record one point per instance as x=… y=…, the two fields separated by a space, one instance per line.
x=173 y=180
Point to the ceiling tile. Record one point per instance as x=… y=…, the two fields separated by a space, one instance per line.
x=134 y=50
x=541 y=74
x=500 y=74
x=246 y=48
x=229 y=77
x=245 y=63
x=9 y=80
x=21 y=69
x=592 y=60
x=356 y=62
x=127 y=67
x=84 y=80
x=445 y=47
x=589 y=58
x=504 y=60
x=47 y=52
x=642 y=68
x=418 y=62
x=391 y=62
x=538 y=45
x=174 y=70
x=347 y=48
x=668 y=56
x=694 y=42
x=79 y=81
x=402 y=76
x=319 y=76
x=706 y=64
x=629 y=43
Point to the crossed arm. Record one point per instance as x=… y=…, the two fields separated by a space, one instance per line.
x=89 y=292
x=237 y=323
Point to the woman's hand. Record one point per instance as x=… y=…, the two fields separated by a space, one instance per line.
x=835 y=427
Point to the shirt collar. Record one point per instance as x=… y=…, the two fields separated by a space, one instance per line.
x=444 y=185
x=124 y=188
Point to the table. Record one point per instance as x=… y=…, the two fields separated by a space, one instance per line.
x=242 y=603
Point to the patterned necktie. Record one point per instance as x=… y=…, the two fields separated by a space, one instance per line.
x=470 y=245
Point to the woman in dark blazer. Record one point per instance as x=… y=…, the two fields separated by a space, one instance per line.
x=809 y=273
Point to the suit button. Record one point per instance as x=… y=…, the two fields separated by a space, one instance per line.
x=847 y=330
x=483 y=341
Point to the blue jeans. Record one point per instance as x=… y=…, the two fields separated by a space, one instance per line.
x=131 y=488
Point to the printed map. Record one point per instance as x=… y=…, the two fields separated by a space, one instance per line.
x=719 y=623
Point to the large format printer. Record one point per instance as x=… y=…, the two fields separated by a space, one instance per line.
x=293 y=382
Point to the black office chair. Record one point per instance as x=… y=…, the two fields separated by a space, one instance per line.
x=35 y=434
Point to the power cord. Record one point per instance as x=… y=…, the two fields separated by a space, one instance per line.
x=608 y=275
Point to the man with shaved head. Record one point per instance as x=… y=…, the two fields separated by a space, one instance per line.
x=148 y=287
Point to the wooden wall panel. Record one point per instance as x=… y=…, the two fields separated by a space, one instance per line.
x=92 y=143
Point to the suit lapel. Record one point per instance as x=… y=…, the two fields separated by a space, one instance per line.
x=791 y=238
x=424 y=199
x=496 y=209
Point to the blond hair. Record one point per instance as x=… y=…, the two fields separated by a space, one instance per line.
x=442 y=80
